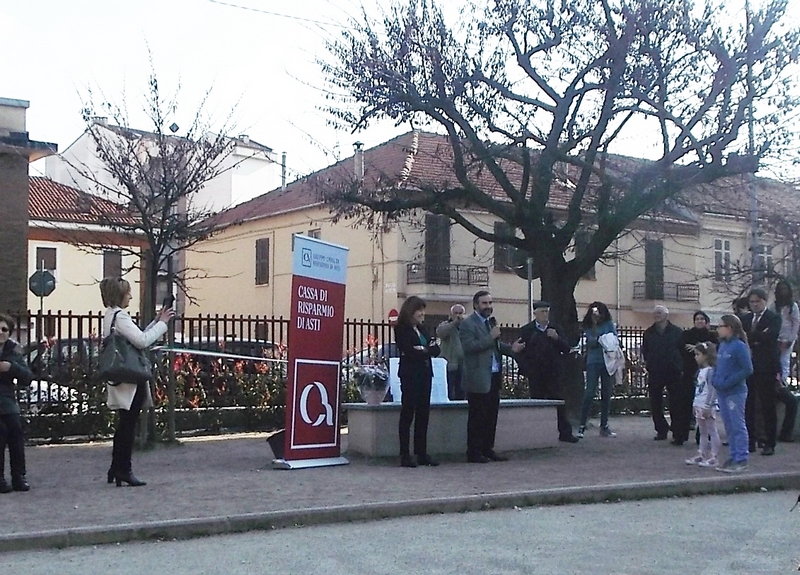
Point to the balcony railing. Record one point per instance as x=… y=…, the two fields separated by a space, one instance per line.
x=666 y=291
x=454 y=274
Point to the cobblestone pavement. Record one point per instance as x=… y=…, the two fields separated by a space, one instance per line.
x=231 y=475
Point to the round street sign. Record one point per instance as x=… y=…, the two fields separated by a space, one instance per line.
x=393 y=315
x=42 y=283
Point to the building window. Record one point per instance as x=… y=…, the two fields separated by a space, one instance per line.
x=437 y=249
x=654 y=269
x=722 y=260
x=582 y=238
x=763 y=263
x=112 y=264
x=46 y=259
x=503 y=253
x=316 y=234
x=262 y=261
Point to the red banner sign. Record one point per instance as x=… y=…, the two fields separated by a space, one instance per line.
x=315 y=352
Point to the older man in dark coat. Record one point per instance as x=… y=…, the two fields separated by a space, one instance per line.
x=541 y=362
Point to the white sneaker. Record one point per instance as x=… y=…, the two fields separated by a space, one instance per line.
x=696 y=460
x=712 y=462
x=581 y=432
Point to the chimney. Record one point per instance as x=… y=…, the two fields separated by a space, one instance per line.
x=283 y=171
x=102 y=120
x=359 y=160
x=245 y=139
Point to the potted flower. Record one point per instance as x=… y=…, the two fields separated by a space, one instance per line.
x=371 y=373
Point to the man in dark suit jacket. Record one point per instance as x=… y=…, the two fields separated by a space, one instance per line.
x=762 y=327
x=483 y=376
x=541 y=361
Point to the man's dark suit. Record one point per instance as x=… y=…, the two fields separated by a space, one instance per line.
x=541 y=362
x=761 y=385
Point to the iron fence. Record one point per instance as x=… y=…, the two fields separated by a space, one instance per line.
x=64 y=360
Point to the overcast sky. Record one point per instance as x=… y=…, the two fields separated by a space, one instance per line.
x=261 y=59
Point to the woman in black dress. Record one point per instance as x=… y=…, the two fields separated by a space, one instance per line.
x=416 y=374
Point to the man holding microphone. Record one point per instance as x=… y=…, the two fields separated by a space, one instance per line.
x=482 y=377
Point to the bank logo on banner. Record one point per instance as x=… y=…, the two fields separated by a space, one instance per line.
x=316 y=392
x=306 y=258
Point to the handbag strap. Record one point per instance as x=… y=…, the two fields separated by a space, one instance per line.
x=113 y=321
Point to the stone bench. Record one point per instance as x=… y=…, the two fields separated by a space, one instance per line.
x=521 y=424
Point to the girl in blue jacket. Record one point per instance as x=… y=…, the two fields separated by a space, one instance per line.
x=734 y=366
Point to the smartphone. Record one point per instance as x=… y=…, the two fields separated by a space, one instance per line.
x=169 y=300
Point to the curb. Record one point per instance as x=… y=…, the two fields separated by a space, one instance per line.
x=219 y=525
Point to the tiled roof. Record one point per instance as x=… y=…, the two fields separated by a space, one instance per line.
x=54 y=202
x=418 y=160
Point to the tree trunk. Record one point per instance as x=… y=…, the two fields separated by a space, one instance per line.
x=147 y=420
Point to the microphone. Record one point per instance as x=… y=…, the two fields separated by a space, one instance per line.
x=492 y=322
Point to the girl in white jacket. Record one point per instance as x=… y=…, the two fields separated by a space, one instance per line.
x=705 y=400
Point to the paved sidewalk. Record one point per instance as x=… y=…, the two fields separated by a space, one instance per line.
x=226 y=484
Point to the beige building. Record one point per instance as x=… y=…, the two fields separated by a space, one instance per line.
x=685 y=256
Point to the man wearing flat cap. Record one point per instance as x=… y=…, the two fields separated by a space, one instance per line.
x=541 y=362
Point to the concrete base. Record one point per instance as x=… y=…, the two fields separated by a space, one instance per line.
x=521 y=424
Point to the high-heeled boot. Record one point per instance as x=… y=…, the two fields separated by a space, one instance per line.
x=128 y=478
x=111 y=475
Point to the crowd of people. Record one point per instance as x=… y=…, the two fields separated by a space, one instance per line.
x=738 y=371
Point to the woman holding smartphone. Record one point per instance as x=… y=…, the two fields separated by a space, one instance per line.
x=127 y=398
x=416 y=375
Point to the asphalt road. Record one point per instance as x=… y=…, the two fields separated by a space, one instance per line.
x=751 y=533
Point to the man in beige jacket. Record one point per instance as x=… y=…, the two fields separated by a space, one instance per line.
x=451 y=350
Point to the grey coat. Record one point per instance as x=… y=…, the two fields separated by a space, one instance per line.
x=479 y=347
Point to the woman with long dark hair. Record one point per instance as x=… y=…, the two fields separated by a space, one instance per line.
x=416 y=375
x=597 y=323
x=785 y=306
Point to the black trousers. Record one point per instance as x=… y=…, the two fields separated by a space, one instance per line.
x=545 y=386
x=454 y=390
x=482 y=418
x=657 y=382
x=681 y=397
x=790 y=414
x=11 y=435
x=415 y=406
x=125 y=433
x=761 y=396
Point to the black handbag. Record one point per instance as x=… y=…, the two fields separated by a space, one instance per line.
x=122 y=362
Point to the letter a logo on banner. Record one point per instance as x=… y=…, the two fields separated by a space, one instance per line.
x=319 y=272
x=327 y=417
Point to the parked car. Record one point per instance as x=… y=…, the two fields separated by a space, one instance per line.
x=60 y=367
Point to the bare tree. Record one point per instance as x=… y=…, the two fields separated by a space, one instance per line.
x=156 y=174
x=535 y=96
